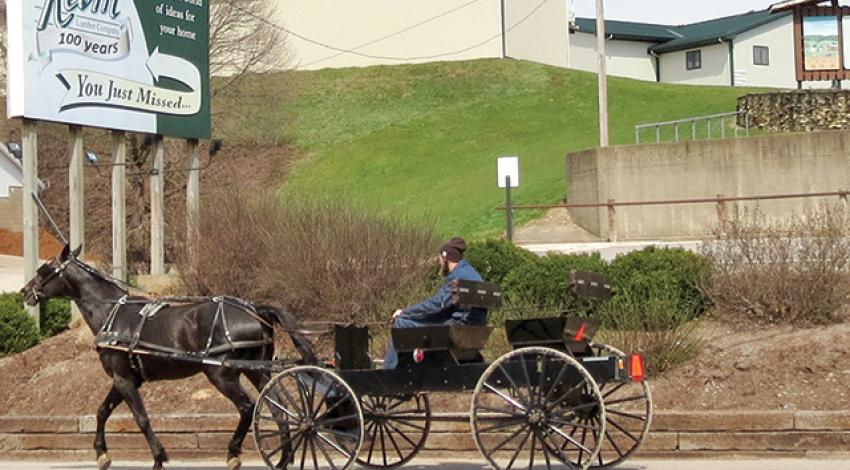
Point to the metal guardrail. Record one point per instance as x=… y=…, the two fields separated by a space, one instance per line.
x=696 y=125
x=720 y=200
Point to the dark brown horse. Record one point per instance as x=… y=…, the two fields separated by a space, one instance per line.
x=209 y=330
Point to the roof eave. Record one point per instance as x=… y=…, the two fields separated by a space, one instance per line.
x=625 y=37
x=661 y=49
x=629 y=37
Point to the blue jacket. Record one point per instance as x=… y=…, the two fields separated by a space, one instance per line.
x=439 y=308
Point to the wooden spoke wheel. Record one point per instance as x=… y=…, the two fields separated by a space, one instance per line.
x=537 y=406
x=395 y=429
x=308 y=417
x=628 y=415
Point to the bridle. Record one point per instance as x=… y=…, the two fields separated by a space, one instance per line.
x=45 y=275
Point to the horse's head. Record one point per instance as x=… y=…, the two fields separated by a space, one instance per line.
x=49 y=280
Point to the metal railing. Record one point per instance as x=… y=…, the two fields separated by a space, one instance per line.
x=720 y=201
x=714 y=125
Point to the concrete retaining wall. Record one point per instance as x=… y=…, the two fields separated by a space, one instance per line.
x=797 y=163
x=675 y=433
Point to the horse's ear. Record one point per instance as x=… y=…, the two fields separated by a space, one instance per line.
x=65 y=252
x=76 y=252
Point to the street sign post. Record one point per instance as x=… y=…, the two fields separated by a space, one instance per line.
x=507 y=176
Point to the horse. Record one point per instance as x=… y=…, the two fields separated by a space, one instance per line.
x=210 y=331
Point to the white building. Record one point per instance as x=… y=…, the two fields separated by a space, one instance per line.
x=751 y=49
x=11 y=194
x=11 y=182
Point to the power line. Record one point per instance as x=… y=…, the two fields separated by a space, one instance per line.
x=409 y=28
x=382 y=57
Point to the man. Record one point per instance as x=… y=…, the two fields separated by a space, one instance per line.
x=438 y=310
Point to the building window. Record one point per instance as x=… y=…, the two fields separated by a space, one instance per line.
x=761 y=55
x=693 y=60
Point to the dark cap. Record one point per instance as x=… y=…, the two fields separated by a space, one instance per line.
x=453 y=249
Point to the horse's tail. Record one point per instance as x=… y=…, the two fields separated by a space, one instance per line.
x=285 y=319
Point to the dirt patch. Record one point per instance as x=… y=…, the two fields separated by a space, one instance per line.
x=12 y=243
x=555 y=227
x=766 y=368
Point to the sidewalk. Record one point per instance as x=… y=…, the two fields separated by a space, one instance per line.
x=607 y=250
x=11 y=273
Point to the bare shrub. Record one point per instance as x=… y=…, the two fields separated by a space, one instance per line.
x=244 y=39
x=321 y=260
x=656 y=327
x=789 y=271
x=664 y=350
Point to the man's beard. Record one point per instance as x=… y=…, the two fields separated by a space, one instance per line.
x=444 y=268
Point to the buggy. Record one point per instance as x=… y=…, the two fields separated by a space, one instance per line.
x=556 y=399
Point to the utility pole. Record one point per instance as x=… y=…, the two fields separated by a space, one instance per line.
x=76 y=199
x=602 y=72
x=504 y=40
x=157 y=182
x=29 y=142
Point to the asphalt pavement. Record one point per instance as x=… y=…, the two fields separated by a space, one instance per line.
x=11 y=273
x=432 y=464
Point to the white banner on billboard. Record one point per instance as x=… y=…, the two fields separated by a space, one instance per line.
x=132 y=65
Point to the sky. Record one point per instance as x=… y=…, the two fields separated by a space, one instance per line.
x=669 y=11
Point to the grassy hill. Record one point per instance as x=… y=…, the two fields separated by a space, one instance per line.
x=422 y=140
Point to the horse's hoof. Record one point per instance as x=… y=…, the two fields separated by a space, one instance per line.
x=103 y=461
x=233 y=463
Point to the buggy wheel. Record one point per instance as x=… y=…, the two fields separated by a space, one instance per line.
x=309 y=417
x=395 y=429
x=628 y=413
x=537 y=405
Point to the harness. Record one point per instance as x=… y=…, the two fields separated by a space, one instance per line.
x=134 y=346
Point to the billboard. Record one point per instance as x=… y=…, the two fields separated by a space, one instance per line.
x=134 y=65
x=821 y=43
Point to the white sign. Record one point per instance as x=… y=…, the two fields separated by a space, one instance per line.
x=132 y=65
x=507 y=166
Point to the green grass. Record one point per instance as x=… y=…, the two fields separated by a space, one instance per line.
x=422 y=140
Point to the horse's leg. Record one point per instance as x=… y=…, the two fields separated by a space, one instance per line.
x=112 y=400
x=227 y=382
x=129 y=389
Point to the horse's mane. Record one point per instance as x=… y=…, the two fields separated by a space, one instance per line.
x=120 y=285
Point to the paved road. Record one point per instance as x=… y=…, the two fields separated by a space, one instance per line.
x=429 y=464
x=11 y=273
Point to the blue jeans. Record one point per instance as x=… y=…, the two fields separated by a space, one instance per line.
x=391 y=359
